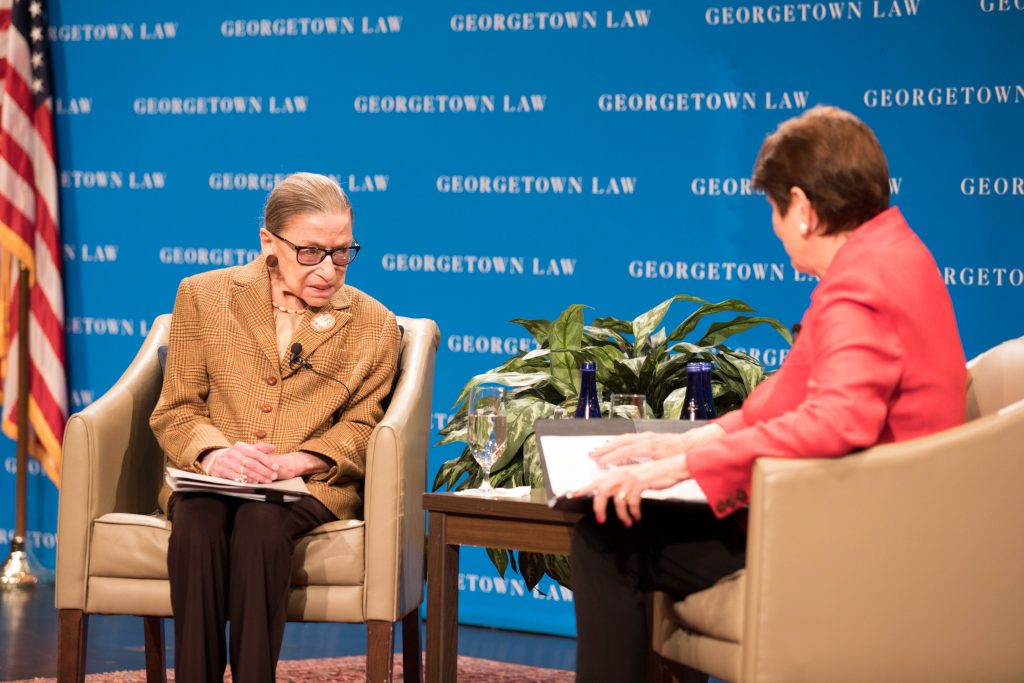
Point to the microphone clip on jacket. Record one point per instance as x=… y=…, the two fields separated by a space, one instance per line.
x=295 y=358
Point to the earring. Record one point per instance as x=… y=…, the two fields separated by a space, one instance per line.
x=803 y=228
x=271 y=261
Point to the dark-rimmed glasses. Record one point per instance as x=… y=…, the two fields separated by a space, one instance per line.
x=311 y=256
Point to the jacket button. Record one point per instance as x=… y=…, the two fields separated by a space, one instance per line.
x=741 y=496
x=266 y=407
x=271 y=381
x=720 y=507
x=260 y=434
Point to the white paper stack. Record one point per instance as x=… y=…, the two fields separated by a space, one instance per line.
x=514 y=492
x=568 y=467
x=284 y=491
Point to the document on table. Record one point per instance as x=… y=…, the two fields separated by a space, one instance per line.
x=284 y=491
x=565 y=459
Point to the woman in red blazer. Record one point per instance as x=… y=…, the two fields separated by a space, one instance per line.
x=878 y=360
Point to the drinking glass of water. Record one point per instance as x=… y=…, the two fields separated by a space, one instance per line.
x=632 y=406
x=487 y=428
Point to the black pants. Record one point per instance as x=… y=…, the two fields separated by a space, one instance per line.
x=230 y=558
x=679 y=549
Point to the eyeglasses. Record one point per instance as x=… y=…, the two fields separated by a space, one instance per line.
x=311 y=256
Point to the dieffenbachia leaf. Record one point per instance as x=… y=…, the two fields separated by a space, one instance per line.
x=450 y=471
x=531 y=463
x=618 y=326
x=531 y=566
x=540 y=330
x=645 y=323
x=606 y=336
x=455 y=430
x=750 y=371
x=522 y=413
x=536 y=353
x=499 y=558
x=691 y=321
x=567 y=335
x=509 y=476
x=604 y=358
x=508 y=379
x=557 y=567
x=632 y=364
x=672 y=407
x=719 y=332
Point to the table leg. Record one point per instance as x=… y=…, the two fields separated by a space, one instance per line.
x=442 y=602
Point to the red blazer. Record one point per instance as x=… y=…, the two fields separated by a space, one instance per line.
x=878 y=360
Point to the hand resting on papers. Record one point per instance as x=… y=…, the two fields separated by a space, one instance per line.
x=255 y=461
x=642 y=462
x=625 y=486
x=633 y=448
x=259 y=464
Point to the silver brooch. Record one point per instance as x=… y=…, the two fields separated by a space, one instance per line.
x=324 y=321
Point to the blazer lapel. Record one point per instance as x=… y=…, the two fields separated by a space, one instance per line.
x=252 y=302
x=320 y=325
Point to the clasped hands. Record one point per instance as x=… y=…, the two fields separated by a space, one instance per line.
x=257 y=463
x=641 y=461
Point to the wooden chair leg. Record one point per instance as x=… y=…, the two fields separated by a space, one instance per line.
x=677 y=673
x=412 y=655
x=156 y=661
x=380 y=647
x=72 y=636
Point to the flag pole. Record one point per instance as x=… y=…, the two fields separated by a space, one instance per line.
x=17 y=570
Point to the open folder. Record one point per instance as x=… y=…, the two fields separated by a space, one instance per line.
x=284 y=491
x=565 y=446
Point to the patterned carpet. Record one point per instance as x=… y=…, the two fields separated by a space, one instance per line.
x=344 y=669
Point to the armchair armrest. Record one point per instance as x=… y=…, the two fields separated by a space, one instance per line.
x=876 y=562
x=396 y=476
x=111 y=462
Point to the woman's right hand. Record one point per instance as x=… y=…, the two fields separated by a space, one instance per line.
x=255 y=461
x=631 y=448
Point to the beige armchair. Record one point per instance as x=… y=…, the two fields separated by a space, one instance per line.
x=112 y=544
x=902 y=563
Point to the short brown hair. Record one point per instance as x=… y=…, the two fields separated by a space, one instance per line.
x=834 y=158
x=302 y=193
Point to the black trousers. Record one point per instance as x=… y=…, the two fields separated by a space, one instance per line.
x=230 y=559
x=679 y=549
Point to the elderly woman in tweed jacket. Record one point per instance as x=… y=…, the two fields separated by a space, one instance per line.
x=238 y=404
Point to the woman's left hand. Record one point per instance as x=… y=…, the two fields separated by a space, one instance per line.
x=298 y=464
x=624 y=485
x=631 y=448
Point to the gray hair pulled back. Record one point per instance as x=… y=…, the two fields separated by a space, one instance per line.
x=303 y=193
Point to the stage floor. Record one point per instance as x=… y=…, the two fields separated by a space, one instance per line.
x=28 y=640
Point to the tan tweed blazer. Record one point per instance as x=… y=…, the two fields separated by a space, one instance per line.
x=225 y=381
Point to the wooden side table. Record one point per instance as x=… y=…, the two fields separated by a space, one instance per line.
x=519 y=524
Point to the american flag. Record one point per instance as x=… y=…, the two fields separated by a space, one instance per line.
x=29 y=233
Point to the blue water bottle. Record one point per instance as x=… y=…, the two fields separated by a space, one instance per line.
x=694 y=404
x=709 y=400
x=589 y=406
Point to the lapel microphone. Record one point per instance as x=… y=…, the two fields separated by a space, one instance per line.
x=295 y=358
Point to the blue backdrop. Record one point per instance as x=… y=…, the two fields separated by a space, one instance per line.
x=508 y=159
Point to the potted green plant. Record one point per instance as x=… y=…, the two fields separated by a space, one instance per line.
x=632 y=356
